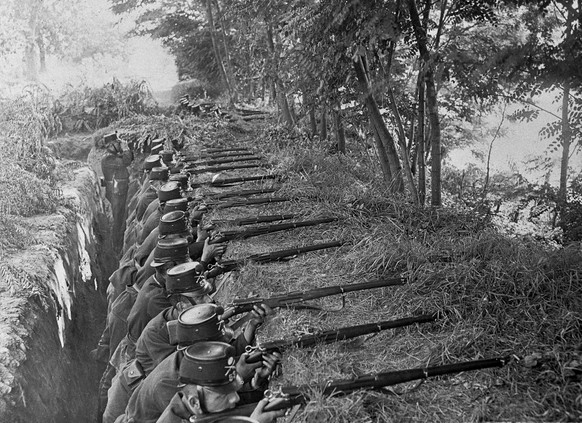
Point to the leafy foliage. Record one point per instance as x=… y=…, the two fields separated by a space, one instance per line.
x=87 y=109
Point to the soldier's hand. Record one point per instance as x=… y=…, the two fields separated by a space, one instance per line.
x=269 y=365
x=262 y=416
x=212 y=251
x=246 y=370
x=257 y=318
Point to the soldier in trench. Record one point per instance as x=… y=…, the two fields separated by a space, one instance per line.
x=116 y=180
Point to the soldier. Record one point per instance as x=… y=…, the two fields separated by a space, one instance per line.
x=209 y=367
x=116 y=178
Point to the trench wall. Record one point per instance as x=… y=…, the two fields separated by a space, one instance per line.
x=52 y=321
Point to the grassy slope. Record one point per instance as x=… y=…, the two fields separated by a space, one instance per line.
x=502 y=296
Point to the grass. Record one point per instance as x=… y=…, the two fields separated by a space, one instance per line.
x=501 y=296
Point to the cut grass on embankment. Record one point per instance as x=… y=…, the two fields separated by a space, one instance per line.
x=501 y=297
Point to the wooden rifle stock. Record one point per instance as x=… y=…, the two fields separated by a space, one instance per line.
x=293 y=395
x=228 y=265
x=336 y=335
x=248 y=202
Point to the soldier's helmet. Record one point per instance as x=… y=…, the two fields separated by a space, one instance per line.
x=208 y=363
x=172 y=249
x=200 y=322
x=169 y=191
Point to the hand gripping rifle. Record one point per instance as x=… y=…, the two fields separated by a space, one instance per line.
x=330 y=336
x=228 y=265
x=245 y=221
x=295 y=395
x=227 y=181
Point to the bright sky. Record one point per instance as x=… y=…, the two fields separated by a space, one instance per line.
x=520 y=143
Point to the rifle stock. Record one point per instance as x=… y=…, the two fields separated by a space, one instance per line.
x=228 y=265
x=293 y=395
x=242 y=193
x=336 y=335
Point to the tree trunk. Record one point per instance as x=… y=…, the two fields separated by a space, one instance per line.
x=323 y=123
x=403 y=149
x=382 y=156
x=566 y=140
x=340 y=133
x=229 y=68
x=312 y=120
x=217 y=55
x=431 y=99
x=421 y=143
x=278 y=85
x=31 y=52
x=396 y=184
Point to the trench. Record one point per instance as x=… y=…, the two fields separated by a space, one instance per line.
x=49 y=328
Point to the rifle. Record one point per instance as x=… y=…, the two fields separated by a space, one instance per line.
x=295 y=395
x=241 y=193
x=228 y=265
x=217 y=155
x=253 y=220
x=335 y=335
x=224 y=236
x=227 y=181
x=222 y=161
x=224 y=168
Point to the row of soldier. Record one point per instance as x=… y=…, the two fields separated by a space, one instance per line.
x=169 y=351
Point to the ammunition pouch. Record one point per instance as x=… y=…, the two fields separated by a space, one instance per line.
x=133 y=374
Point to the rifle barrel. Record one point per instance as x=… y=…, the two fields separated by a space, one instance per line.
x=228 y=265
x=227 y=181
x=223 y=168
x=341 y=334
x=293 y=395
x=242 y=193
x=225 y=160
x=285 y=300
x=261 y=230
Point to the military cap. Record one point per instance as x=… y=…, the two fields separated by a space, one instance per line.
x=208 y=363
x=181 y=178
x=167 y=155
x=173 y=223
x=198 y=323
x=152 y=161
x=172 y=249
x=159 y=174
x=185 y=277
x=169 y=191
x=176 y=204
